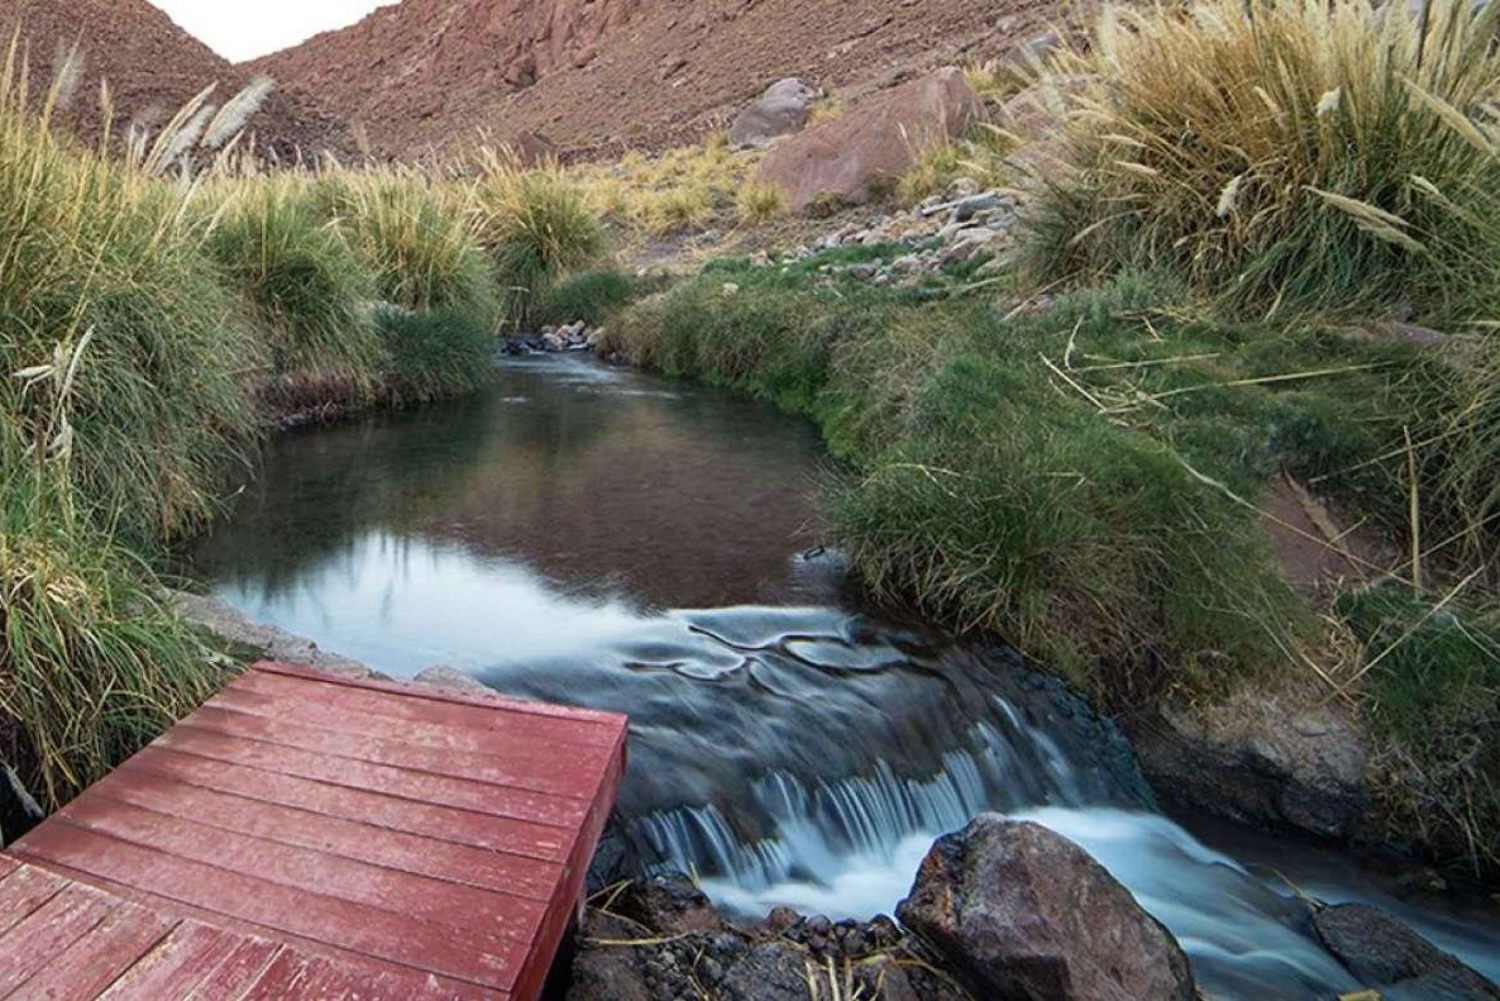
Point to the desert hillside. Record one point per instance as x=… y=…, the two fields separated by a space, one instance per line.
x=153 y=68
x=600 y=75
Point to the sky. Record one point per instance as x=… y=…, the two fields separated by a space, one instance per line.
x=243 y=29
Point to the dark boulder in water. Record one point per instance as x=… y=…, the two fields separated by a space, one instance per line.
x=1023 y=914
x=1385 y=954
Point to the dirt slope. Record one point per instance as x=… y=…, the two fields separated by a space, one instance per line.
x=153 y=68
x=598 y=76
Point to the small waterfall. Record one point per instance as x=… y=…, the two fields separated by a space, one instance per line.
x=814 y=830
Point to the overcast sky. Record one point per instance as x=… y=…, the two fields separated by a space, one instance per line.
x=244 y=29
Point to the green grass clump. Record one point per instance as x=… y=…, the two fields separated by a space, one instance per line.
x=1284 y=155
x=589 y=296
x=535 y=226
x=1436 y=674
x=416 y=237
x=311 y=293
x=432 y=356
x=92 y=666
x=92 y=249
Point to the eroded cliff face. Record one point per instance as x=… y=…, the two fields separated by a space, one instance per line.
x=449 y=59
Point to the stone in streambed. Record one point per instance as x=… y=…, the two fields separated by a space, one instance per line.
x=1022 y=914
x=1384 y=954
x=671 y=904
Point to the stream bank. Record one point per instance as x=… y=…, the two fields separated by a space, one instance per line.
x=590 y=534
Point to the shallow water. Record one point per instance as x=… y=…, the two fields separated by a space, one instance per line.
x=595 y=536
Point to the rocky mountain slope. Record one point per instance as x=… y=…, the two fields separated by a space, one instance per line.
x=153 y=67
x=599 y=76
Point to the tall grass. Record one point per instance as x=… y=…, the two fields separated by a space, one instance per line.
x=417 y=239
x=311 y=295
x=90 y=247
x=1286 y=153
x=535 y=226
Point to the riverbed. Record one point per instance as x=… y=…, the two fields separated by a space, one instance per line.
x=594 y=535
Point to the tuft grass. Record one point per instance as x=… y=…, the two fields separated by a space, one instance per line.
x=416 y=238
x=682 y=189
x=980 y=155
x=90 y=248
x=1435 y=673
x=535 y=226
x=311 y=294
x=1284 y=156
x=589 y=296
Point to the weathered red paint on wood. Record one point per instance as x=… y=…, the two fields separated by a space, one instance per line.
x=500 y=834
x=525 y=877
x=311 y=837
x=556 y=811
x=47 y=932
x=177 y=963
x=23 y=891
x=97 y=959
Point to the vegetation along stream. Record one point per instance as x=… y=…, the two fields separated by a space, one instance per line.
x=594 y=535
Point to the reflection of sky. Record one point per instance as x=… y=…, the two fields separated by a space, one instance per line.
x=402 y=604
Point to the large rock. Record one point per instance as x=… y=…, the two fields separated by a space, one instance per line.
x=1269 y=759
x=1023 y=914
x=881 y=138
x=780 y=111
x=1384 y=954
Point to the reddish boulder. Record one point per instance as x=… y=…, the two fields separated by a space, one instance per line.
x=882 y=138
x=1022 y=914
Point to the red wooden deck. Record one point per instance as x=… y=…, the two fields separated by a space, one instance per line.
x=306 y=836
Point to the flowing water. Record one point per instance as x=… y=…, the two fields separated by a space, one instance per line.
x=595 y=536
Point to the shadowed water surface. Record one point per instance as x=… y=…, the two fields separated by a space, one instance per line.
x=596 y=536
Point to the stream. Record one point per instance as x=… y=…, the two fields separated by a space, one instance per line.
x=596 y=536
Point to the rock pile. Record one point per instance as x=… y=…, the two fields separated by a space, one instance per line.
x=960 y=225
x=576 y=336
x=661 y=939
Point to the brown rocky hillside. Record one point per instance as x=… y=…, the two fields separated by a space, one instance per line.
x=598 y=76
x=153 y=68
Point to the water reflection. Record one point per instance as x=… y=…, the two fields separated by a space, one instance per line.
x=612 y=482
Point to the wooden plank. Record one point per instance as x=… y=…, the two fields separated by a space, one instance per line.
x=462 y=827
x=372 y=886
x=376 y=701
x=94 y=961
x=556 y=811
x=23 y=891
x=455 y=952
x=409 y=691
x=230 y=979
x=516 y=733
x=569 y=890
x=8 y=865
x=48 y=931
x=491 y=870
x=176 y=965
x=302 y=975
x=546 y=769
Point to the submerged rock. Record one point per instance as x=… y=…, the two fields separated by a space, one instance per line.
x=1384 y=954
x=1023 y=914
